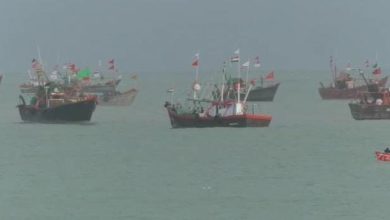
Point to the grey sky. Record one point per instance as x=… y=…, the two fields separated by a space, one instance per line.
x=163 y=35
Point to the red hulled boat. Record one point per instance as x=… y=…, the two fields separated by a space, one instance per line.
x=219 y=114
x=382 y=156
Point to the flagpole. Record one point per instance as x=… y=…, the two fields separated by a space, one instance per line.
x=239 y=76
x=247 y=72
x=196 y=75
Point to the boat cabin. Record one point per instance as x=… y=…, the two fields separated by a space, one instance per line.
x=225 y=108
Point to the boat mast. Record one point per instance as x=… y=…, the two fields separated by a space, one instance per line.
x=237 y=53
x=246 y=65
x=195 y=64
x=223 y=84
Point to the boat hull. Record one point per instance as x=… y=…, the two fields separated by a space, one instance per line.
x=193 y=120
x=382 y=156
x=122 y=99
x=28 y=89
x=98 y=88
x=335 y=93
x=369 y=111
x=265 y=94
x=72 y=112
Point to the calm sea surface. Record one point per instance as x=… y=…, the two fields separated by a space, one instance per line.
x=313 y=162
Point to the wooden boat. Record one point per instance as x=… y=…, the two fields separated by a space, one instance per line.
x=346 y=90
x=369 y=111
x=371 y=105
x=262 y=93
x=118 y=98
x=57 y=108
x=106 y=87
x=345 y=85
x=219 y=114
x=382 y=156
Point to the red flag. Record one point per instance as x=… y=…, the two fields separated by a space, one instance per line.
x=73 y=68
x=270 y=76
x=34 y=64
x=377 y=71
x=195 y=63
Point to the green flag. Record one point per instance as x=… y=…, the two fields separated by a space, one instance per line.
x=85 y=73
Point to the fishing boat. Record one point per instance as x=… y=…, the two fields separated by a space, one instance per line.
x=215 y=113
x=108 y=86
x=346 y=89
x=53 y=106
x=371 y=105
x=345 y=85
x=72 y=76
x=118 y=98
x=382 y=156
x=228 y=113
x=263 y=92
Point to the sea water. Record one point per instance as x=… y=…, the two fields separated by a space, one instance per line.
x=313 y=162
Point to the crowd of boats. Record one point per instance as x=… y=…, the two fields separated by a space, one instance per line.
x=227 y=105
x=70 y=94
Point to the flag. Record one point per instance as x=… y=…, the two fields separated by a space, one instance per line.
x=195 y=61
x=72 y=67
x=257 y=62
x=377 y=71
x=246 y=64
x=111 y=62
x=85 y=73
x=349 y=67
x=236 y=57
x=367 y=63
x=270 y=76
x=35 y=65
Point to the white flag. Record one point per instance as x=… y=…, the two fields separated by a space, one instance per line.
x=246 y=64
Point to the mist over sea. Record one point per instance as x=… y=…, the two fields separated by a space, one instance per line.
x=313 y=162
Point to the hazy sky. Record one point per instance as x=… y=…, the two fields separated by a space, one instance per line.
x=163 y=35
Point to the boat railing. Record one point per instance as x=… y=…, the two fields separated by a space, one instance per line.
x=378 y=98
